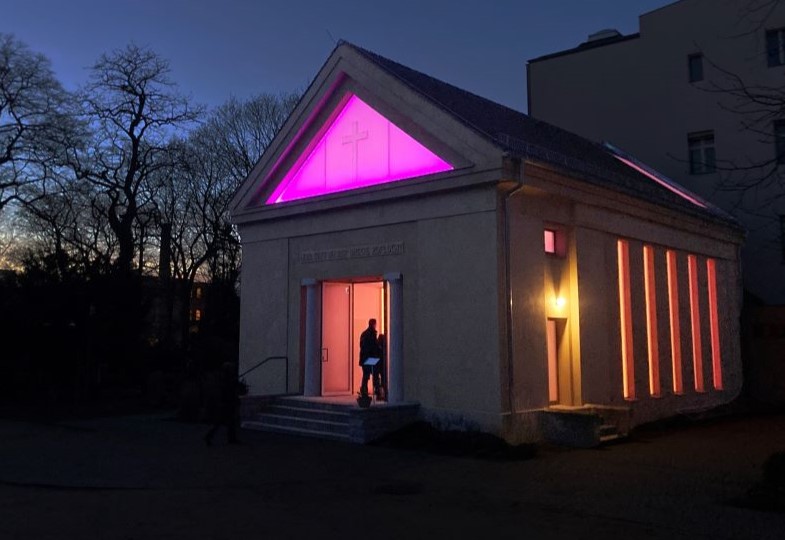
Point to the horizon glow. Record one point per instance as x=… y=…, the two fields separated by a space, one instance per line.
x=360 y=148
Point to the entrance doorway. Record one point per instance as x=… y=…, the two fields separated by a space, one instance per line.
x=346 y=309
x=560 y=376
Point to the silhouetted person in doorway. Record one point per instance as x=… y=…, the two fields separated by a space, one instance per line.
x=381 y=369
x=229 y=404
x=369 y=348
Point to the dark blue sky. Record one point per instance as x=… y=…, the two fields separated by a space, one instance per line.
x=222 y=47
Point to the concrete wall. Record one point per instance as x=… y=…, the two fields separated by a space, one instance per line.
x=636 y=94
x=264 y=306
x=587 y=278
x=448 y=260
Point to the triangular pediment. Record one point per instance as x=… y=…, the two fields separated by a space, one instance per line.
x=357 y=148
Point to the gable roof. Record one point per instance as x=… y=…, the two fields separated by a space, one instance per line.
x=528 y=138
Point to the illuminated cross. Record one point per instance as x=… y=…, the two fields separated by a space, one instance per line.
x=354 y=139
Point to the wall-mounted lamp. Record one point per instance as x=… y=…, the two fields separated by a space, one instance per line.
x=559 y=302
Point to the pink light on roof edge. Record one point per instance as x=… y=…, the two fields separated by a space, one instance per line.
x=360 y=148
x=664 y=182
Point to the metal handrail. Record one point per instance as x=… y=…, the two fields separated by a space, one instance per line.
x=285 y=358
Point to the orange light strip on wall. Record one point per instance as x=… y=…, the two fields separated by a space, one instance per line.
x=673 y=310
x=695 y=322
x=625 y=315
x=651 y=320
x=553 y=362
x=716 y=363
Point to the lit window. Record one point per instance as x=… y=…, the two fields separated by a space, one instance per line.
x=651 y=320
x=198 y=293
x=673 y=310
x=779 y=141
x=695 y=67
x=625 y=319
x=695 y=322
x=716 y=359
x=701 y=152
x=550 y=241
x=198 y=315
x=775 y=47
x=555 y=241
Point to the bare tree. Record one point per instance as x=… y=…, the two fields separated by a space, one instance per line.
x=242 y=130
x=134 y=109
x=211 y=164
x=71 y=225
x=235 y=137
x=749 y=182
x=34 y=120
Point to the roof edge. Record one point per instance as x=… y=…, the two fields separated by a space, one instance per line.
x=586 y=46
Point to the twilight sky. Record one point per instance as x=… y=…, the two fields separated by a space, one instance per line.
x=219 y=48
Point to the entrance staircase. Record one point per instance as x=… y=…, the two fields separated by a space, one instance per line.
x=586 y=426
x=339 y=419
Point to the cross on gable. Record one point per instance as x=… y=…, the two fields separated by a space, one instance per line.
x=335 y=161
x=354 y=138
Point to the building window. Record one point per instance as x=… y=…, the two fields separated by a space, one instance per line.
x=779 y=141
x=550 y=241
x=652 y=338
x=625 y=320
x=701 y=152
x=695 y=322
x=555 y=241
x=714 y=324
x=198 y=315
x=673 y=312
x=695 y=67
x=775 y=47
x=198 y=293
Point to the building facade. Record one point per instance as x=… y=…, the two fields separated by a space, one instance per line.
x=516 y=270
x=675 y=96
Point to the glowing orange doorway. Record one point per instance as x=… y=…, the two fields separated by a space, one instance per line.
x=346 y=309
x=560 y=383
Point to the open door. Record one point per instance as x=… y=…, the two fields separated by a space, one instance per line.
x=346 y=309
x=336 y=339
x=560 y=389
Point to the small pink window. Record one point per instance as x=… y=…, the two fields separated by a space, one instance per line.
x=550 y=241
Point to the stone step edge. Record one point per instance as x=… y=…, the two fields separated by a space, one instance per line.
x=318 y=405
x=294 y=430
x=296 y=419
x=310 y=410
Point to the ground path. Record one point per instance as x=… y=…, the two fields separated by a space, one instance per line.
x=150 y=477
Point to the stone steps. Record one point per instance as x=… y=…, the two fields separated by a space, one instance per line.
x=608 y=433
x=308 y=413
x=335 y=420
x=311 y=424
x=584 y=427
x=295 y=430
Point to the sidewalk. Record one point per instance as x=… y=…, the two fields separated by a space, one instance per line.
x=150 y=477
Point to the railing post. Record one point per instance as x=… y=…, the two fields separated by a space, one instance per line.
x=312 y=377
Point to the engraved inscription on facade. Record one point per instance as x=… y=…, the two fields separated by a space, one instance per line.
x=355 y=252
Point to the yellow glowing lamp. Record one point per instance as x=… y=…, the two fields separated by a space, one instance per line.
x=559 y=302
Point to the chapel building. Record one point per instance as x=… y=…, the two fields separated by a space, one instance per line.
x=528 y=282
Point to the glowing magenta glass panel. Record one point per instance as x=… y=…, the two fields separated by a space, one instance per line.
x=360 y=148
x=550 y=241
